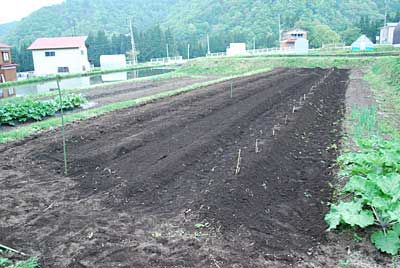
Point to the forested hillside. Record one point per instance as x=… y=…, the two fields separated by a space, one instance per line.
x=181 y=22
x=6 y=28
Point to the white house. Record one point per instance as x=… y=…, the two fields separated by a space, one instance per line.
x=386 y=35
x=60 y=55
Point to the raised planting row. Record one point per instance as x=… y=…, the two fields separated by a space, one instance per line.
x=36 y=110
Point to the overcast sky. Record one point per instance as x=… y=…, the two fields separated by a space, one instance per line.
x=18 y=9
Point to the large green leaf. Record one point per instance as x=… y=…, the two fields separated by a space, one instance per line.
x=389 y=185
x=389 y=242
x=351 y=213
x=333 y=218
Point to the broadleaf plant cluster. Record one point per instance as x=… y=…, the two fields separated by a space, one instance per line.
x=374 y=187
x=26 y=110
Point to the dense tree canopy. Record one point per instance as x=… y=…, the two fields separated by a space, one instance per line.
x=182 y=22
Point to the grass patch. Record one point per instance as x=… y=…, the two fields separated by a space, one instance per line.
x=239 y=65
x=384 y=79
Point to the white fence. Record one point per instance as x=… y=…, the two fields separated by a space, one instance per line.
x=254 y=52
x=169 y=60
x=219 y=54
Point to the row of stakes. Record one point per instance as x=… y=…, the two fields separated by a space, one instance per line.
x=278 y=127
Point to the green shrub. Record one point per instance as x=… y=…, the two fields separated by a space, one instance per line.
x=36 y=110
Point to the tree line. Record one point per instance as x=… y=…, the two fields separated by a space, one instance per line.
x=157 y=43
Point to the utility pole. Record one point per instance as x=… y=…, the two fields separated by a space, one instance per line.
x=208 y=45
x=280 y=28
x=167 y=51
x=254 y=43
x=188 y=56
x=134 y=55
x=386 y=11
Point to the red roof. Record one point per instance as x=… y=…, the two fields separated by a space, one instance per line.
x=2 y=45
x=58 y=42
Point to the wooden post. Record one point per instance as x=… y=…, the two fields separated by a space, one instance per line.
x=62 y=128
x=237 y=171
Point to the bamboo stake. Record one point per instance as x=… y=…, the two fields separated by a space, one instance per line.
x=237 y=171
x=63 y=128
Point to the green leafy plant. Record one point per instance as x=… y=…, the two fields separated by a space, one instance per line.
x=36 y=110
x=202 y=225
x=374 y=183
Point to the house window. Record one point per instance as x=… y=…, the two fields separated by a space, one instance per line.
x=50 y=53
x=63 y=69
x=6 y=56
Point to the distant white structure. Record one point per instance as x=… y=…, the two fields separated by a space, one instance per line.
x=301 y=46
x=236 y=49
x=60 y=55
x=363 y=43
x=386 y=36
x=110 y=62
x=396 y=36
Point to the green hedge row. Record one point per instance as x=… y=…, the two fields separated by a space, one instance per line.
x=37 y=110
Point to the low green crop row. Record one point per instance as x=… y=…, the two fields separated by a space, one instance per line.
x=30 y=263
x=374 y=184
x=36 y=110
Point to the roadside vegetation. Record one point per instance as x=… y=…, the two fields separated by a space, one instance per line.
x=371 y=197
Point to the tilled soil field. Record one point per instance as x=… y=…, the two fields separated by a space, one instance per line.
x=162 y=185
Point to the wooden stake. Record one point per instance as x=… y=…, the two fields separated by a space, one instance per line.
x=273 y=131
x=286 y=119
x=231 y=90
x=257 y=151
x=237 y=171
x=62 y=128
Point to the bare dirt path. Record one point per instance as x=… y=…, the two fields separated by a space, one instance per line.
x=142 y=178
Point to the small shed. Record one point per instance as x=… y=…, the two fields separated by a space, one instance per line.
x=236 y=49
x=301 y=46
x=396 y=36
x=110 y=62
x=363 y=43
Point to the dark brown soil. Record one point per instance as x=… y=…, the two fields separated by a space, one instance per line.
x=142 y=178
x=114 y=93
